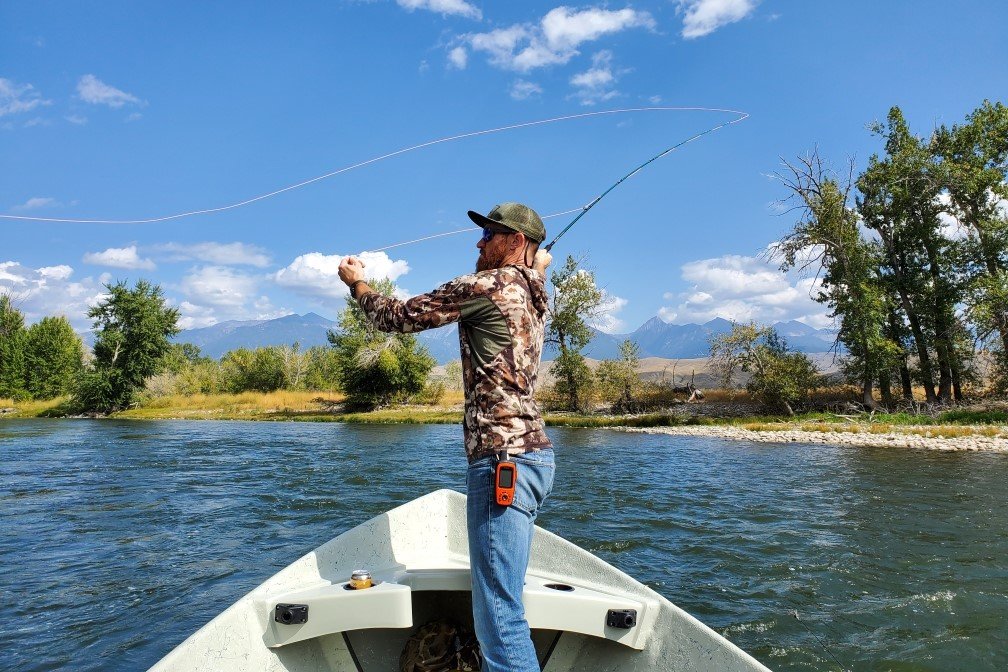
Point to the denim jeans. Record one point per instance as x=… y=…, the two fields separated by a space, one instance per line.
x=499 y=542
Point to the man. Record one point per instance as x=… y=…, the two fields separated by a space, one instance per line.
x=501 y=314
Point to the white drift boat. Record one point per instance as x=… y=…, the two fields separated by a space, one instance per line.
x=585 y=615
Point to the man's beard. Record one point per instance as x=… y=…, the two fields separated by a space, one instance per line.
x=487 y=260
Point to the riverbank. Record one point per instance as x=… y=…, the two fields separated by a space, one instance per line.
x=922 y=437
x=980 y=428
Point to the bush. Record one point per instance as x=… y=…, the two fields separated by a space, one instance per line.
x=260 y=370
x=374 y=368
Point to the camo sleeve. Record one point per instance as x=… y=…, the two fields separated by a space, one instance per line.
x=436 y=308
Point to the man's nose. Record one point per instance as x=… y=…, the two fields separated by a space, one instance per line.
x=480 y=243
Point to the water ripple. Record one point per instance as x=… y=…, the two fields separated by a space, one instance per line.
x=120 y=538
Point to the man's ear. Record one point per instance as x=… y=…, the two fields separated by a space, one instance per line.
x=518 y=241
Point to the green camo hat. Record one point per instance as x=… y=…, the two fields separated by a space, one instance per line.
x=514 y=216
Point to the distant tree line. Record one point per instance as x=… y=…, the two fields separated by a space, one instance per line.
x=133 y=358
x=913 y=255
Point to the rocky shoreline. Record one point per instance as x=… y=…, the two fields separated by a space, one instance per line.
x=973 y=443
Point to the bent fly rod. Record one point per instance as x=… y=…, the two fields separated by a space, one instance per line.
x=585 y=209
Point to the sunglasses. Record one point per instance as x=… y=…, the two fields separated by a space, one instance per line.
x=488 y=234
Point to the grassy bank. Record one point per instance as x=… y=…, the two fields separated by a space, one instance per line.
x=327 y=407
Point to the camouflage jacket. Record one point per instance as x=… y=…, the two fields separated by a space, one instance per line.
x=501 y=316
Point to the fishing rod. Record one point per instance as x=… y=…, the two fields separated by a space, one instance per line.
x=636 y=170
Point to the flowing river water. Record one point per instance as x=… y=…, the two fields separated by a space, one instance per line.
x=120 y=539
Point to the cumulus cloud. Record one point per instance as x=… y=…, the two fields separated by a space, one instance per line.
x=119 y=257
x=317 y=275
x=50 y=290
x=17 y=98
x=445 y=7
x=92 y=90
x=220 y=254
x=192 y=316
x=458 y=58
x=556 y=38
x=596 y=84
x=742 y=288
x=220 y=287
x=522 y=89
x=703 y=17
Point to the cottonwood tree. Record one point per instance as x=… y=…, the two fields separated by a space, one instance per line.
x=257 y=369
x=133 y=326
x=575 y=301
x=974 y=157
x=54 y=358
x=827 y=242
x=778 y=377
x=900 y=200
x=12 y=350
x=374 y=368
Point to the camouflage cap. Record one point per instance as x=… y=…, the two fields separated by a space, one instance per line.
x=514 y=216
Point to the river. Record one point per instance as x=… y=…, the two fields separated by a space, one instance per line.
x=120 y=539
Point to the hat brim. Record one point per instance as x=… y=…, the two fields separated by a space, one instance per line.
x=487 y=223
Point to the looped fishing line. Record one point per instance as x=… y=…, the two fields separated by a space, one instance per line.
x=582 y=210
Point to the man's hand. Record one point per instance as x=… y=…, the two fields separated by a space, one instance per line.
x=541 y=261
x=351 y=270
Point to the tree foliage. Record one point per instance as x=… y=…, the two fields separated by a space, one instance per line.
x=617 y=379
x=259 y=370
x=917 y=267
x=575 y=301
x=778 y=377
x=54 y=357
x=12 y=350
x=374 y=368
x=133 y=326
x=827 y=241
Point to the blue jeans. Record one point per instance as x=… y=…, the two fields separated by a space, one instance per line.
x=499 y=542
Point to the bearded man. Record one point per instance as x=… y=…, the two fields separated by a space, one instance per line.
x=501 y=311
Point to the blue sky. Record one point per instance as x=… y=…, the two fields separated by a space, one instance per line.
x=140 y=110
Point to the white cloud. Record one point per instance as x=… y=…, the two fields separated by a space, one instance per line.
x=555 y=40
x=221 y=254
x=948 y=225
x=119 y=257
x=76 y=119
x=317 y=275
x=36 y=203
x=607 y=320
x=93 y=90
x=596 y=84
x=17 y=98
x=220 y=287
x=49 y=290
x=458 y=58
x=454 y=7
x=703 y=17
x=522 y=89
x=195 y=315
x=192 y=316
x=741 y=288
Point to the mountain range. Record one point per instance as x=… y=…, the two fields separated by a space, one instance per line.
x=656 y=338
